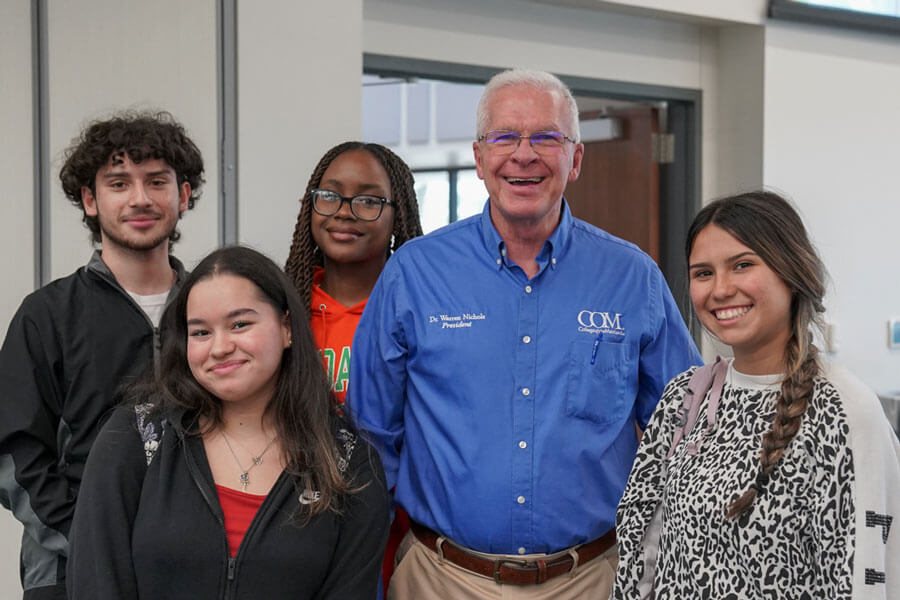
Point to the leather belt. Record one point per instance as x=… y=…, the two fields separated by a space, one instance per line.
x=514 y=571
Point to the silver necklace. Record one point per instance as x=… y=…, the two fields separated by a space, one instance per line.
x=257 y=460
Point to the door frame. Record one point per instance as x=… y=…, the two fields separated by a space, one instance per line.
x=679 y=180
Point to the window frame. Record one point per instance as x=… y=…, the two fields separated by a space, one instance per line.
x=791 y=10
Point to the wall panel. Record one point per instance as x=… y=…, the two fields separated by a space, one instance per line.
x=152 y=55
x=16 y=200
x=298 y=95
x=831 y=131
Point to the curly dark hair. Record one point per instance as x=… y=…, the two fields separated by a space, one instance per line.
x=305 y=254
x=140 y=136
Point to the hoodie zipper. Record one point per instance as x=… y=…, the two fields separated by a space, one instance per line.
x=197 y=478
x=232 y=561
x=261 y=514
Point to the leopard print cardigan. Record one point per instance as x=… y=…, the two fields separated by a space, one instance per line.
x=800 y=539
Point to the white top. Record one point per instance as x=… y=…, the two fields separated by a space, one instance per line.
x=153 y=305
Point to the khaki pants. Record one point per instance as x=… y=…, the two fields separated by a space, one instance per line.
x=420 y=575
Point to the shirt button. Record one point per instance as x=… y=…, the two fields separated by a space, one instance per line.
x=527 y=289
x=526 y=392
x=521 y=499
x=523 y=444
x=499 y=261
x=521 y=550
x=553 y=260
x=527 y=339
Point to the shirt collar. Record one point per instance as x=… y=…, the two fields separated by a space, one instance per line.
x=553 y=249
x=97 y=266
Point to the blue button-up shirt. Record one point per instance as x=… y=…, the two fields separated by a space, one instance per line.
x=504 y=407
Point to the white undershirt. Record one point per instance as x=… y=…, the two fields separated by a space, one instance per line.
x=153 y=305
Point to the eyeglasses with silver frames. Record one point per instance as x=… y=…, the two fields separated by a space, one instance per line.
x=364 y=207
x=542 y=142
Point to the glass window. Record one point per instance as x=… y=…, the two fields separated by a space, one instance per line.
x=433 y=193
x=470 y=194
x=868 y=15
x=877 y=7
x=448 y=195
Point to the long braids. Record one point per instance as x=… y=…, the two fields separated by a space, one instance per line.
x=766 y=222
x=305 y=255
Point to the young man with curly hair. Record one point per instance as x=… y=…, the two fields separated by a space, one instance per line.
x=77 y=339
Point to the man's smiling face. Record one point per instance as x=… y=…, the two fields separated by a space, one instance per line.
x=525 y=187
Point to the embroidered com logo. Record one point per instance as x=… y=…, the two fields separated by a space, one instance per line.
x=595 y=322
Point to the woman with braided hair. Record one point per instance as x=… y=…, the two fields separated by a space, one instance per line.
x=789 y=482
x=359 y=206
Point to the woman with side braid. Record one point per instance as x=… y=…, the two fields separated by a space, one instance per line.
x=788 y=484
x=359 y=206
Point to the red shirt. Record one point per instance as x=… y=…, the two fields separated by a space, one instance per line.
x=239 y=509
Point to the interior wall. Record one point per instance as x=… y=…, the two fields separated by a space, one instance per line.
x=16 y=172
x=16 y=215
x=735 y=127
x=159 y=55
x=831 y=131
x=742 y=11
x=562 y=40
x=730 y=11
x=298 y=95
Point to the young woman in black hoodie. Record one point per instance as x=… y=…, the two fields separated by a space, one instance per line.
x=230 y=474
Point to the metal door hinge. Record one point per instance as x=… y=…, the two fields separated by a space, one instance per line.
x=663 y=148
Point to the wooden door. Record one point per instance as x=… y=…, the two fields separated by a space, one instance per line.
x=618 y=189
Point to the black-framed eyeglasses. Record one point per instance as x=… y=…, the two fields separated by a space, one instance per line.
x=364 y=207
x=543 y=142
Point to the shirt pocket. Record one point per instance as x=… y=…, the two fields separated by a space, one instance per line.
x=598 y=383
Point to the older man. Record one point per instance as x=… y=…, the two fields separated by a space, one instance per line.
x=501 y=365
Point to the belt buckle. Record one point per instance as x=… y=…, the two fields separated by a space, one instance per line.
x=519 y=563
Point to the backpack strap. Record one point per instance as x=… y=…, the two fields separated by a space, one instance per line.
x=708 y=378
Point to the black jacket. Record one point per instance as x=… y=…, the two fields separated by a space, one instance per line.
x=68 y=348
x=158 y=531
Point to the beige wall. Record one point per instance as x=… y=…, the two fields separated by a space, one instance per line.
x=17 y=240
x=722 y=11
x=299 y=94
x=153 y=55
x=16 y=173
x=831 y=131
x=562 y=40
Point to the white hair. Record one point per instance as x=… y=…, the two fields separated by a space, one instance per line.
x=540 y=80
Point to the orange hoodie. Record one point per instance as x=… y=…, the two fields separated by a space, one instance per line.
x=333 y=325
